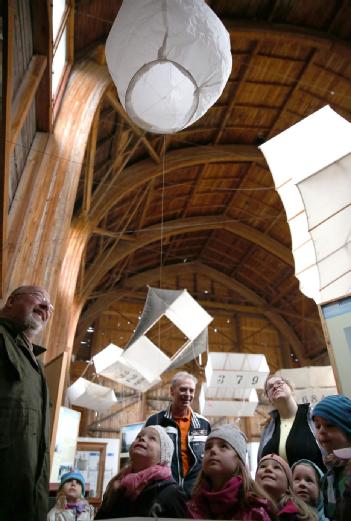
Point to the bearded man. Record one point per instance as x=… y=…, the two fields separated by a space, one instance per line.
x=24 y=407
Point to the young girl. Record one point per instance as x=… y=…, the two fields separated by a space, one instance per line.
x=332 y=418
x=275 y=477
x=306 y=485
x=145 y=488
x=70 y=503
x=224 y=488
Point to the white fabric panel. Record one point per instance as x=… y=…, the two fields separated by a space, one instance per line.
x=291 y=199
x=299 y=231
x=188 y=315
x=146 y=358
x=84 y=393
x=170 y=61
x=311 y=376
x=327 y=192
x=236 y=370
x=314 y=158
x=191 y=350
x=314 y=394
x=111 y=364
x=106 y=357
x=308 y=146
x=210 y=407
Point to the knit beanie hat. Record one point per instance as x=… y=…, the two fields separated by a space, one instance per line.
x=166 y=444
x=73 y=474
x=232 y=435
x=337 y=410
x=282 y=463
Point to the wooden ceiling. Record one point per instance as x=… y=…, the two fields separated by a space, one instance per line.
x=198 y=209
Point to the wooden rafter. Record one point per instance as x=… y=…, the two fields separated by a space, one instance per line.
x=25 y=95
x=104 y=263
x=89 y=171
x=143 y=171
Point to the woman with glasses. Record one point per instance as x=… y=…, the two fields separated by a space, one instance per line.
x=290 y=433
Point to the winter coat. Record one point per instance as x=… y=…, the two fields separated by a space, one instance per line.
x=24 y=432
x=225 y=503
x=301 y=442
x=336 y=487
x=162 y=498
x=199 y=430
x=58 y=514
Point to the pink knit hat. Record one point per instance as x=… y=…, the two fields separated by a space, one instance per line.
x=283 y=464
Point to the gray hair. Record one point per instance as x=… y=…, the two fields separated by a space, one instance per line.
x=182 y=375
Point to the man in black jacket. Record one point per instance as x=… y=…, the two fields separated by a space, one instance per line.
x=187 y=429
x=24 y=407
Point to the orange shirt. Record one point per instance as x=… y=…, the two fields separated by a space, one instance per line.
x=183 y=423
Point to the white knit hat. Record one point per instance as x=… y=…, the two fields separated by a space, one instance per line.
x=166 y=444
x=232 y=435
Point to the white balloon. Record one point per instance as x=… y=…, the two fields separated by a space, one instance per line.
x=170 y=61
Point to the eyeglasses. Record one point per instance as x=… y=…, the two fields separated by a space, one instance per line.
x=43 y=301
x=277 y=383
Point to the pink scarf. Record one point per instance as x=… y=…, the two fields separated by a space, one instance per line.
x=134 y=482
x=223 y=504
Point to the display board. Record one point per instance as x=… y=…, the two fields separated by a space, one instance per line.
x=65 y=444
x=336 y=318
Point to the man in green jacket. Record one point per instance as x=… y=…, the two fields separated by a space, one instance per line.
x=24 y=407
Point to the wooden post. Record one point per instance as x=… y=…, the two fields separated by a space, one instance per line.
x=5 y=136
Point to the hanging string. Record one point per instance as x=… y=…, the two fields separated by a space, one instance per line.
x=162 y=206
x=161 y=224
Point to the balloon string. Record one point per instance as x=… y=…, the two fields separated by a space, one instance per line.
x=161 y=224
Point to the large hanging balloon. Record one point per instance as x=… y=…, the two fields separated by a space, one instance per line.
x=170 y=61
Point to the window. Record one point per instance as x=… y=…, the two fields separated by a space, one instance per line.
x=62 y=29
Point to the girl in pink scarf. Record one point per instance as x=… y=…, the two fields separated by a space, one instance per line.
x=225 y=489
x=145 y=487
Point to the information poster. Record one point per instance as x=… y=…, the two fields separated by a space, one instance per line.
x=66 y=443
x=337 y=317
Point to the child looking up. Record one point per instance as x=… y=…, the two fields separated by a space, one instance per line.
x=306 y=485
x=224 y=488
x=145 y=488
x=275 y=477
x=70 y=502
x=332 y=419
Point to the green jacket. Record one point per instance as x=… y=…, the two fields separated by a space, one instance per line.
x=24 y=429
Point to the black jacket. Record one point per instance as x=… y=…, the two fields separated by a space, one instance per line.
x=162 y=498
x=301 y=442
x=199 y=430
x=24 y=429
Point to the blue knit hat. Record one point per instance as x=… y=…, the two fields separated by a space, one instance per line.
x=73 y=474
x=337 y=410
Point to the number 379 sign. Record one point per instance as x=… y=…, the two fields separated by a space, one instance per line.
x=243 y=379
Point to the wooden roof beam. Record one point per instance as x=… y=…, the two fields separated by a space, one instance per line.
x=89 y=172
x=143 y=171
x=104 y=263
x=288 y=33
x=25 y=95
